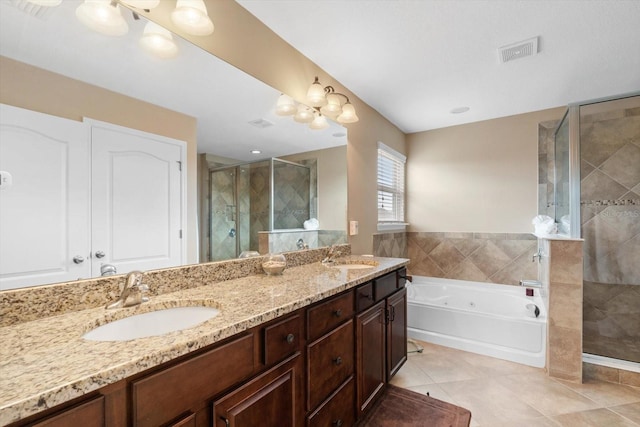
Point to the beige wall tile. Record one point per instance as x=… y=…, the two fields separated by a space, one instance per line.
x=566 y=306
x=630 y=378
x=565 y=262
x=565 y=353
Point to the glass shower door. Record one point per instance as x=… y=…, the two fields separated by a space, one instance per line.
x=222 y=215
x=610 y=225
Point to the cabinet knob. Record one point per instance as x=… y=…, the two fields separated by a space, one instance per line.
x=290 y=338
x=337 y=312
x=78 y=259
x=100 y=254
x=337 y=423
x=337 y=361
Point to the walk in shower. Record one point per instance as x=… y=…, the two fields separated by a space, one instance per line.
x=266 y=195
x=597 y=198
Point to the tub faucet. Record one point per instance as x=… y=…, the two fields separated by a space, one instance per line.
x=133 y=292
x=531 y=283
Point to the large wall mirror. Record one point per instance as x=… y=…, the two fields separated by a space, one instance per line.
x=233 y=114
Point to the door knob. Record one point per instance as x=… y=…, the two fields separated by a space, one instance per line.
x=78 y=259
x=100 y=254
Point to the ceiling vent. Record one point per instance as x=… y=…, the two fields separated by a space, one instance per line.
x=37 y=10
x=518 y=50
x=261 y=123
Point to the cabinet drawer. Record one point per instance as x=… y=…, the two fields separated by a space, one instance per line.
x=364 y=297
x=330 y=363
x=282 y=339
x=338 y=410
x=324 y=317
x=89 y=413
x=163 y=396
x=384 y=285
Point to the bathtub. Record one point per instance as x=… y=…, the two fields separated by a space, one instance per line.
x=483 y=318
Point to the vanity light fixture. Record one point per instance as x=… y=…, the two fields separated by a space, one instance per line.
x=323 y=102
x=158 y=41
x=142 y=4
x=103 y=16
x=192 y=18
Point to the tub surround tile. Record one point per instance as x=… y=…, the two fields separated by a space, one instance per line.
x=45 y=362
x=569 y=314
x=566 y=263
x=564 y=353
x=503 y=258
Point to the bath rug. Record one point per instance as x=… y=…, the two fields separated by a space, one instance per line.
x=398 y=407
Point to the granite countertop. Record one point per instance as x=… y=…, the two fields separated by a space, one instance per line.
x=46 y=362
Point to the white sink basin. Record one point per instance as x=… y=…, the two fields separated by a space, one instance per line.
x=151 y=324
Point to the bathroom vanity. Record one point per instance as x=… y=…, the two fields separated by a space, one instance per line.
x=314 y=347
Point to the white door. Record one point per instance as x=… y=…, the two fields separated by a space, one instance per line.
x=137 y=199
x=44 y=199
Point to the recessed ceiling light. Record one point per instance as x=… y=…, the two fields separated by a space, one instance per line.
x=256 y=151
x=459 y=110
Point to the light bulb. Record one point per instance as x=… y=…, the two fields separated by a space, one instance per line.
x=158 y=40
x=333 y=106
x=100 y=16
x=319 y=122
x=304 y=114
x=191 y=17
x=285 y=106
x=315 y=94
x=348 y=114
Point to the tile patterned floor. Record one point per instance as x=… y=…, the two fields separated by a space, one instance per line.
x=505 y=394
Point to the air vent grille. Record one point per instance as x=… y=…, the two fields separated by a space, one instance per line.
x=32 y=9
x=518 y=50
x=261 y=123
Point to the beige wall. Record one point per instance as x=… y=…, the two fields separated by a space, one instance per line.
x=332 y=185
x=32 y=88
x=243 y=41
x=478 y=177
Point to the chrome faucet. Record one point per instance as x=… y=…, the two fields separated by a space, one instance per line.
x=133 y=292
x=300 y=244
x=331 y=255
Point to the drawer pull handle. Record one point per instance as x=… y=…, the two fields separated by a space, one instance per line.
x=337 y=312
x=337 y=423
x=226 y=421
x=337 y=361
x=290 y=338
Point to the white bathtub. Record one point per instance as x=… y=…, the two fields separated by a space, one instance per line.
x=482 y=318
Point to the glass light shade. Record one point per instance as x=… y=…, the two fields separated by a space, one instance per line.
x=100 y=16
x=319 y=122
x=315 y=94
x=142 y=4
x=191 y=17
x=304 y=114
x=46 y=3
x=348 y=114
x=285 y=106
x=333 y=107
x=158 y=41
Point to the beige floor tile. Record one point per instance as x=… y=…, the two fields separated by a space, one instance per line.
x=410 y=375
x=602 y=417
x=493 y=366
x=605 y=394
x=448 y=367
x=630 y=411
x=533 y=422
x=490 y=402
x=546 y=395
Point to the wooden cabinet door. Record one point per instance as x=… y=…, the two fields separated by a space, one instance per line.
x=270 y=400
x=88 y=414
x=370 y=355
x=396 y=332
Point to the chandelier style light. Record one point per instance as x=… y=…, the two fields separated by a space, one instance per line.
x=323 y=102
x=105 y=16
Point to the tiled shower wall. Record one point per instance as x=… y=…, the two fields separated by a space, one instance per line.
x=503 y=258
x=546 y=131
x=610 y=216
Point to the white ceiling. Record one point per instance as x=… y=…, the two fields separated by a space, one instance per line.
x=414 y=61
x=222 y=98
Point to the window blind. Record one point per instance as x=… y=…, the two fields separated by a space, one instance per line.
x=391 y=166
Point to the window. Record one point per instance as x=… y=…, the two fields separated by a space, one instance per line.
x=391 y=166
